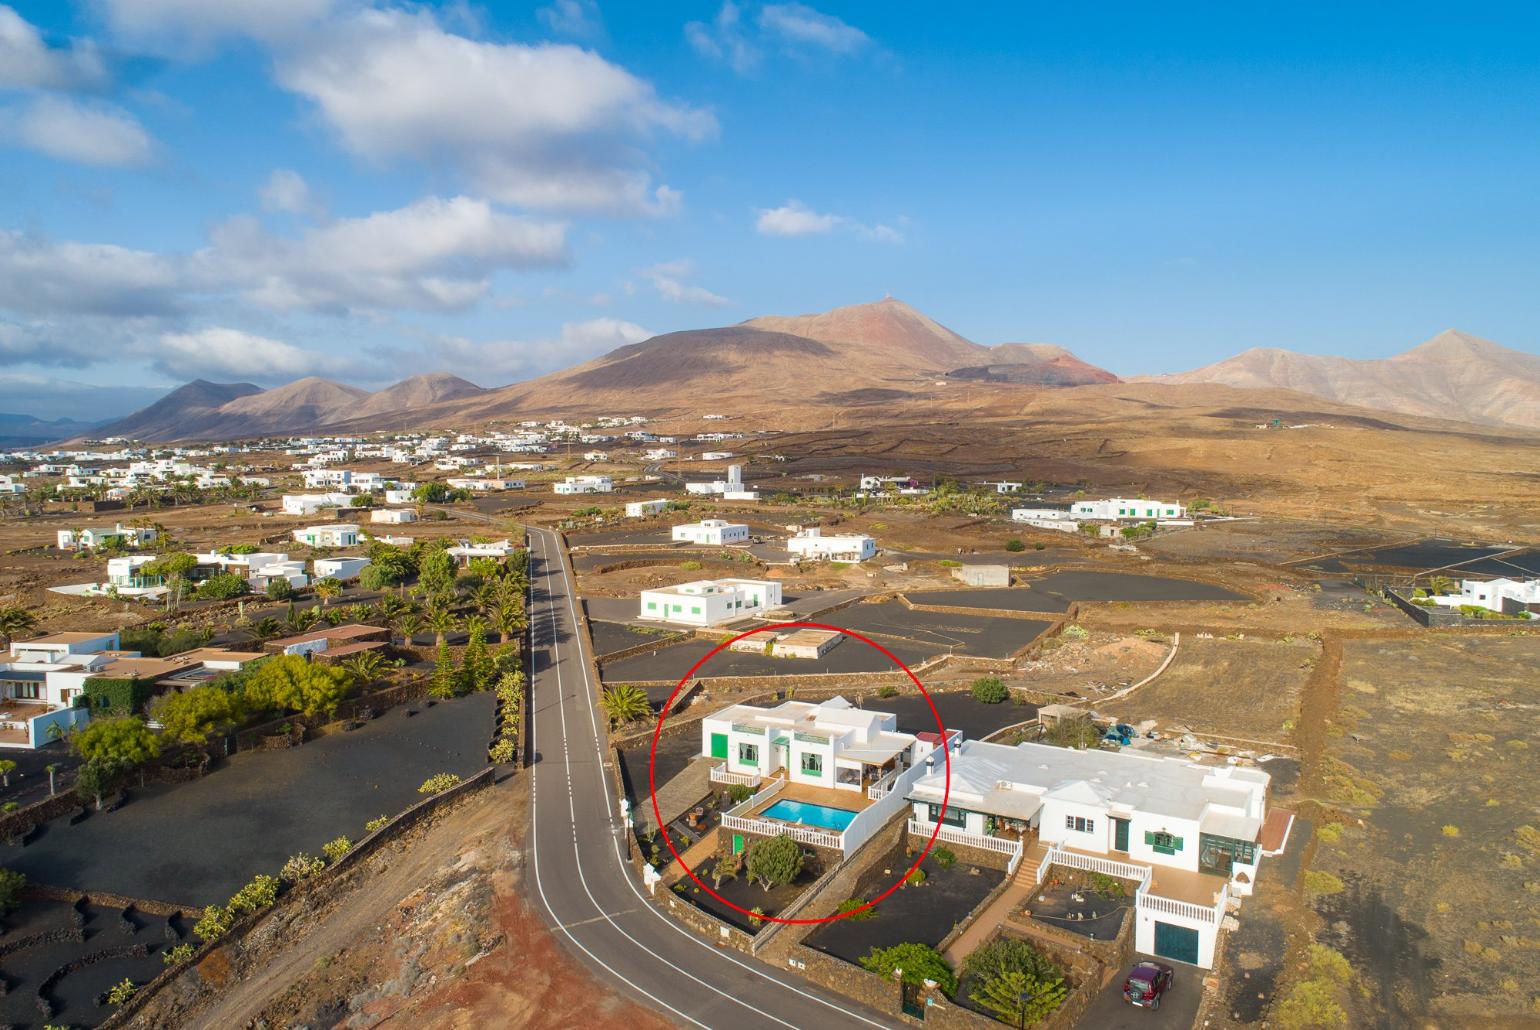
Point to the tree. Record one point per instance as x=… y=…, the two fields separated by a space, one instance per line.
x=445 y=682
x=431 y=493
x=300 y=620
x=7 y=766
x=436 y=572
x=1020 y=998
x=1443 y=585
x=279 y=589
x=194 y=715
x=409 y=624
x=95 y=779
x=174 y=568
x=624 y=702
x=12 y=884
x=475 y=662
x=388 y=566
x=14 y=621
x=326 y=589
x=267 y=627
x=290 y=682
x=442 y=622
x=122 y=741
x=919 y=962
x=508 y=614
x=365 y=666
x=361 y=501
x=989 y=690
x=774 y=861
x=223 y=587
x=1013 y=545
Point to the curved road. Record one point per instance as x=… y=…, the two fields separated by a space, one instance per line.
x=586 y=887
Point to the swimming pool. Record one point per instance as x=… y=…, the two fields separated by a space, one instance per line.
x=822 y=816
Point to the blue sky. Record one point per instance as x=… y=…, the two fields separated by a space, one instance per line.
x=262 y=189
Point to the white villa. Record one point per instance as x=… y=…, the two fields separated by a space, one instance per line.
x=1121 y=508
x=1186 y=832
x=585 y=485
x=812 y=544
x=344 y=569
x=729 y=489
x=1505 y=596
x=710 y=602
x=393 y=516
x=799 y=643
x=831 y=744
x=309 y=504
x=90 y=537
x=337 y=534
x=642 y=509
x=467 y=551
x=716 y=532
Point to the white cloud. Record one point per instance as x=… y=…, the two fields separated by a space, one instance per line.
x=522 y=359
x=799 y=24
x=28 y=62
x=668 y=277
x=550 y=126
x=793 y=29
x=286 y=190
x=39 y=276
x=795 y=218
x=180 y=24
x=579 y=19
x=723 y=39
x=95 y=134
x=220 y=352
x=433 y=254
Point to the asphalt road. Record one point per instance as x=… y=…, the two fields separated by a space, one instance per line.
x=582 y=882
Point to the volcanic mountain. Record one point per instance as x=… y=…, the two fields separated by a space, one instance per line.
x=1454 y=375
x=188 y=412
x=1035 y=364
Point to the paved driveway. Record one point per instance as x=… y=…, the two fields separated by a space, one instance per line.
x=1178 y=1008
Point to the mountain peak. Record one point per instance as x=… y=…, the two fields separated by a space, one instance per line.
x=890 y=330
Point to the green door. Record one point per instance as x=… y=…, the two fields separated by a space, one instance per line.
x=737 y=843
x=1178 y=942
x=719 y=748
x=1120 y=835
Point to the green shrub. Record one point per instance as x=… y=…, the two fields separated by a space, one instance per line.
x=121 y=991
x=851 y=905
x=1318 y=881
x=915 y=878
x=990 y=690
x=301 y=867
x=439 y=783
x=945 y=857
x=376 y=824
x=739 y=792
x=502 y=752
x=1013 y=545
x=178 y=953
x=12 y=884
x=919 y=962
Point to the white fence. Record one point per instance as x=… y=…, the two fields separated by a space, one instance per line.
x=1186 y=909
x=1140 y=874
x=770 y=791
x=952 y=835
x=770 y=828
x=720 y=774
x=879 y=790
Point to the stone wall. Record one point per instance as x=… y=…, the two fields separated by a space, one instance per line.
x=174 y=997
x=705 y=924
x=881 y=993
x=965 y=854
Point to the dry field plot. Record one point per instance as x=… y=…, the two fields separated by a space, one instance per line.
x=1236 y=688
x=1435 y=896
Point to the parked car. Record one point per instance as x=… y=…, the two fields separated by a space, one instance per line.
x=1147 y=982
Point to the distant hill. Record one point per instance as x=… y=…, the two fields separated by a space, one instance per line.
x=417 y=392
x=30 y=431
x=1035 y=364
x=1454 y=375
x=184 y=413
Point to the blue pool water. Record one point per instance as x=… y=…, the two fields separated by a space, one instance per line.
x=821 y=816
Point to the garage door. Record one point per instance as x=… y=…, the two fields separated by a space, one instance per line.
x=1178 y=942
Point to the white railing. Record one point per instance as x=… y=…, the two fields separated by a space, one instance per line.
x=952 y=835
x=1044 y=865
x=770 y=791
x=1187 y=909
x=1091 y=863
x=879 y=790
x=770 y=828
x=720 y=774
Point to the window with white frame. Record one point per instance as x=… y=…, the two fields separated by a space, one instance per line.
x=812 y=764
x=1079 y=824
x=748 y=754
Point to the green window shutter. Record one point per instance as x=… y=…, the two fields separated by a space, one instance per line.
x=694 y=610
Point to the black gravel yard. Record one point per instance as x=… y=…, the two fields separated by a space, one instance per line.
x=984 y=636
x=744 y=892
x=197 y=843
x=1005 y=599
x=108 y=939
x=1423 y=555
x=674 y=753
x=610 y=637
x=958 y=712
x=924 y=912
x=1121 y=586
x=589 y=561
x=674 y=661
x=1082 y=910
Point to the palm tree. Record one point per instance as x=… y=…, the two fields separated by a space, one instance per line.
x=390 y=606
x=326 y=589
x=442 y=622
x=266 y=628
x=508 y=617
x=14 y=621
x=365 y=665
x=408 y=624
x=360 y=612
x=625 y=703
x=302 y=619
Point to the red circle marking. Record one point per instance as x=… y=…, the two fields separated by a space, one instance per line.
x=652 y=767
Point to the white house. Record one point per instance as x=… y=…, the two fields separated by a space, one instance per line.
x=1046 y=518
x=800 y=643
x=337 y=534
x=1506 y=596
x=585 y=485
x=1175 y=826
x=810 y=543
x=730 y=489
x=90 y=537
x=710 y=602
x=344 y=569
x=393 y=516
x=1120 y=508
x=256 y=568
x=829 y=744
x=467 y=551
x=983 y=575
x=309 y=504
x=642 y=509
x=596 y=456
x=715 y=455
x=715 y=532
x=40 y=680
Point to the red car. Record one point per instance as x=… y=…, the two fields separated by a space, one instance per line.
x=1147 y=982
